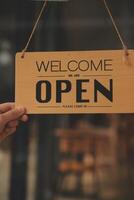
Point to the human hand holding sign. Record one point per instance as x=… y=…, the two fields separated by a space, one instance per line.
x=10 y=118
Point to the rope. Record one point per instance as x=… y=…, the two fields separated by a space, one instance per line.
x=116 y=28
x=34 y=28
x=111 y=17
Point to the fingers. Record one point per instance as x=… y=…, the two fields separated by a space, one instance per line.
x=10 y=118
x=13 y=124
x=11 y=131
x=24 y=118
x=6 y=107
x=7 y=132
x=13 y=114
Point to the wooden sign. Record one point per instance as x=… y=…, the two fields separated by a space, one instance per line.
x=75 y=82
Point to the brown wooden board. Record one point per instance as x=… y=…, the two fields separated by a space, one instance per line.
x=75 y=82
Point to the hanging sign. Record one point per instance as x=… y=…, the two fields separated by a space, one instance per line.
x=75 y=82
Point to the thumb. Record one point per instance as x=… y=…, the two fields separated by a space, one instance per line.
x=13 y=114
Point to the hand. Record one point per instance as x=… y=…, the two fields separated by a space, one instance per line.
x=10 y=118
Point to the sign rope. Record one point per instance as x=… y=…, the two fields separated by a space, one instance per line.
x=116 y=28
x=34 y=28
x=109 y=12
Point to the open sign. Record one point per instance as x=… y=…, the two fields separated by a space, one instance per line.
x=75 y=82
